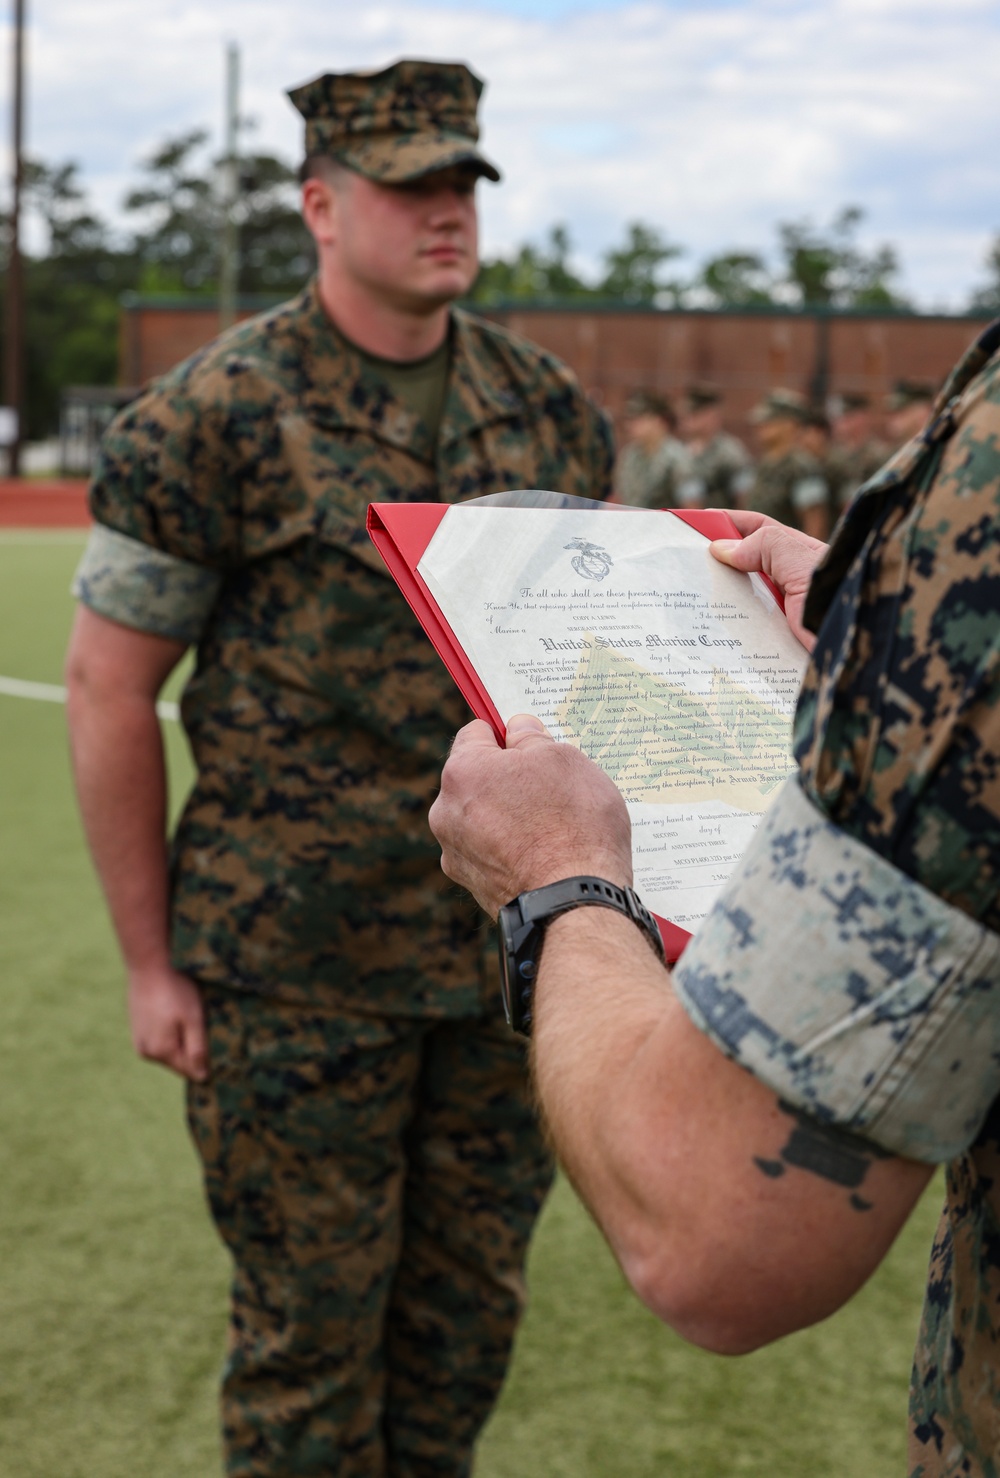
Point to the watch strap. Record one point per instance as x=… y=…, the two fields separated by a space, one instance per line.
x=523 y=923
x=539 y=904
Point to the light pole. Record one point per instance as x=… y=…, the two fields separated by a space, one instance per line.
x=231 y=175
x=14 y=345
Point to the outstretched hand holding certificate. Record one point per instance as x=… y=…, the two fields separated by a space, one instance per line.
x=677 y=675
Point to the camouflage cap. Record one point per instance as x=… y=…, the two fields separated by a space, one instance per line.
x=905 y=393
x=397 y=124
x=816 y=417
x=701 y=395
x=648 y=403
x=778 y=403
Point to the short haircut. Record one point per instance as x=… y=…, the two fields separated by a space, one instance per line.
x=817 y=417
x=323 y=167
x=701 y=395
x=648 y=403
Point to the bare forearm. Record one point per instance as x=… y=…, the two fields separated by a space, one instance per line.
x=730 y=1211
x=619 y=1095
x=670 y=1145
x=118 y=763
x=601 y=993
x=113 y=675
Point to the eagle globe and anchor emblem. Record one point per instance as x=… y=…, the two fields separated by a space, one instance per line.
x=592 y=562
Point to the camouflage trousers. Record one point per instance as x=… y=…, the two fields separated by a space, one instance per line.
x=376 y=1181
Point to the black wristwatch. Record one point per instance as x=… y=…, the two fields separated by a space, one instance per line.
x=521 y=924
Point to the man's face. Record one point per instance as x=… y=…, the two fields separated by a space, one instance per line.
x=413 y=246
x=700 y=422
x=647 y=429
x=815 y=439
x=908 y=421
x=777 y=434
x=854 y=426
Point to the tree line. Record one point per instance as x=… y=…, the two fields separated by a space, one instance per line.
x=816 y=266
x=170 y=245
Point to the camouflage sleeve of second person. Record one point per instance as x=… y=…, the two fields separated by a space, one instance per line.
x=853 y=961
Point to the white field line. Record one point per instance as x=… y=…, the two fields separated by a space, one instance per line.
x=15 y=687
x=43 y=536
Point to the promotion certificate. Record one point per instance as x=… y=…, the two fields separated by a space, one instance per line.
x=676 y=674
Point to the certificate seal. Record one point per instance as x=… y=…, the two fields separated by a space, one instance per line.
x=592 y=562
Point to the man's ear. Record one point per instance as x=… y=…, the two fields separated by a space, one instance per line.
x=319 y=210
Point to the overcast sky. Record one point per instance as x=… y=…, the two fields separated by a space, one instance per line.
x=710 y=120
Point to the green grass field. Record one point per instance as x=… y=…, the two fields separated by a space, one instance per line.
x=112 y=1287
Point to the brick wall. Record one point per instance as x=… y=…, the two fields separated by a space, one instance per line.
x=617 y=350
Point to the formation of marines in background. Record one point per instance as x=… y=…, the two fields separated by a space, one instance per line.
x=811 y=459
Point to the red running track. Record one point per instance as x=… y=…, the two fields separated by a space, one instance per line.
x=55 y=504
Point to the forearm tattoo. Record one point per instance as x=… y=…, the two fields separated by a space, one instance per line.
x=826 y=1151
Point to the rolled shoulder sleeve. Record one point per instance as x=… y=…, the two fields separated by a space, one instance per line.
x=166 y=502
x=172 y=465
x=132 y=583
x=847 y=987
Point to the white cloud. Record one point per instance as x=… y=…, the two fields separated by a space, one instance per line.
x=712 y=122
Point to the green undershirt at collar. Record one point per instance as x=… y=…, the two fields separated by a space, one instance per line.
x=421 y=384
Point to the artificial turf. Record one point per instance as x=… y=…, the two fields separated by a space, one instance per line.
x=112 y=1285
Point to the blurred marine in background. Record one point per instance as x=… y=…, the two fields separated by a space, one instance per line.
x=370 y=1153
x=788 y=482
x=858 y=452
x=721 y=465
x=908 y=408
x=653 y=464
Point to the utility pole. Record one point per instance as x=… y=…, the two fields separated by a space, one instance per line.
x=14 y=307
x=228 y=266
x=819 y=384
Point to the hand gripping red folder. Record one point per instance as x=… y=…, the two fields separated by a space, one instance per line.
x=402 y=531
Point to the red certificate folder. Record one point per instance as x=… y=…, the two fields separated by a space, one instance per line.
x=402 y=531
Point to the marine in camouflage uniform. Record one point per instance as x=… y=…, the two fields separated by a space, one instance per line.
x=851 y=467
x=653 y=466
x=721 y=466
x=788 y=482
x=784 y=487
x=724 y=471
x=371 y=1157
x=857 y=453
x=908 y=408
x=853 y=961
